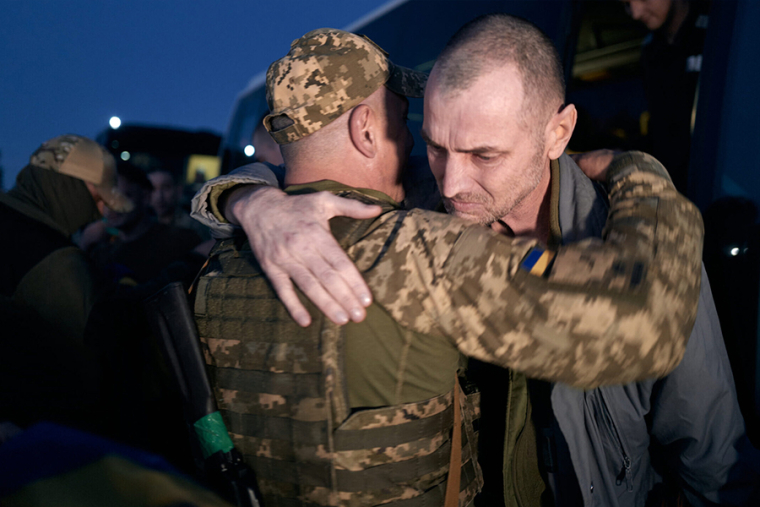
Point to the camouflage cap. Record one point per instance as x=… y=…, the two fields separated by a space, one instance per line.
x=84 y=159
x=326 y=73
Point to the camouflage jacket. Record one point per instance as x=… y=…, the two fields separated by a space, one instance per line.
x=607 y=313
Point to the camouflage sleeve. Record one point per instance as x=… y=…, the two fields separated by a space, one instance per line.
x=204 y=206
x=593 y=313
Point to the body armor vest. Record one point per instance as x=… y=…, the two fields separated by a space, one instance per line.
x=282 y=393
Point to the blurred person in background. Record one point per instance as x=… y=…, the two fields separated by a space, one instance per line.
x=137 y=255
x=75 y=349
x=165 y=200
x=65 y=185
x=137 y=247
x=48 y=287
x=671 y=60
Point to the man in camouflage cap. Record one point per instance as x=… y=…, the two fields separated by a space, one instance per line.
x=363 y=414
x=56 y=194
x=86 y=160
x=325 y=74
x=47 y=285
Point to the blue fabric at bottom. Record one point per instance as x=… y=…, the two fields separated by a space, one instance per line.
x=46 y=449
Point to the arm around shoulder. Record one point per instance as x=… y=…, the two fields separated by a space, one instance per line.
x=205 y=203
x=595 y=312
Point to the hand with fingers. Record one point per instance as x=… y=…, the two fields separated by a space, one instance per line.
x=290 y=236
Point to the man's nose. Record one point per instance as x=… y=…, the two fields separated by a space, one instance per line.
x=452 y=180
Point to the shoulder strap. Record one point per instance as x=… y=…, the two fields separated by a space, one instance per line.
x=455 y=463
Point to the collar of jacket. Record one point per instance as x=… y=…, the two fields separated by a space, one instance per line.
x=345 y=229
x=578 y=205
x=361 y=194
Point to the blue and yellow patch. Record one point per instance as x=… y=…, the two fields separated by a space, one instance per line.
x=538 y=261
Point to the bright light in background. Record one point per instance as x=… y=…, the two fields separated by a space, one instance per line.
x=734 y=251
x=249 y=150
x=125 y=155
x=114 y=122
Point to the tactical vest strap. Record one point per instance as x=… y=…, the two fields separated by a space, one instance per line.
x=430 y=498
x=471 y=416
x=455 y=463
x=388 y=436
x=378 y=477
x=285 y=384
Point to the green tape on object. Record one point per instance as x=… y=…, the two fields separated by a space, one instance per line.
x=212 y=434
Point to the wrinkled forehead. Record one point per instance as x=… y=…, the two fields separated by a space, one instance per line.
x=494 y=95
x=501 y=83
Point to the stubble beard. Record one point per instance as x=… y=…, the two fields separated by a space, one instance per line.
x=496 y=209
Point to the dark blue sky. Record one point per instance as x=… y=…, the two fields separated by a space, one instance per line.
x=68 y=66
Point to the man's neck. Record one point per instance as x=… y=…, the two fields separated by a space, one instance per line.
x=531 y=217
x=350 y=177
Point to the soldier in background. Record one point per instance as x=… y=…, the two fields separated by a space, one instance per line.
x=65 y=186
x=48 y=287
x=73 y=348
x=364 y=414
x=671 y=61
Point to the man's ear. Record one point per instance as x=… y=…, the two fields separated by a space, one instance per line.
x=559 y=130
x=361 y=128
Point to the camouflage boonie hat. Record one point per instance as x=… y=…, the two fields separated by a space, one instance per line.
x=326 y=73
x=84 y=159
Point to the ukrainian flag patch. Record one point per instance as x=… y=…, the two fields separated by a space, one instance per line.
x=538 y=261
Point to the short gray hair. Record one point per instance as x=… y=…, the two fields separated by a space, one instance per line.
x=498 y=39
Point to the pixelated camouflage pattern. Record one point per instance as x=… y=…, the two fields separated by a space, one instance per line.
x=353 y=460
x=381 y=418
x=405 y=81
x=275 y=357
x=325 y=74
x=607 y=312
x=52 y=153
x=84 y=159
x=281 y=391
